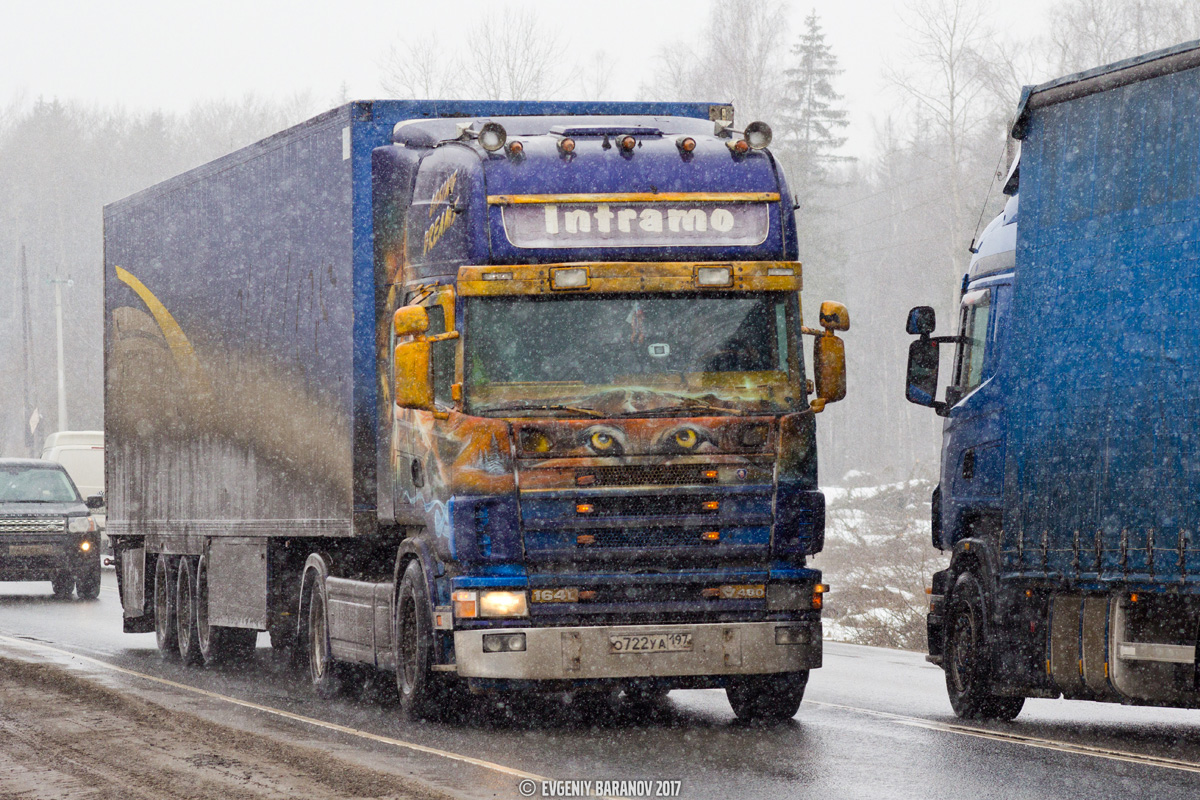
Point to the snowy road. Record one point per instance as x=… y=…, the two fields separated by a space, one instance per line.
x=874 y=723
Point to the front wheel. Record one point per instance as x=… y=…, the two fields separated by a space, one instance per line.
x=419 y=689
x=63 y=584
x=87 y=582
x=968 y=658
x=767 y=699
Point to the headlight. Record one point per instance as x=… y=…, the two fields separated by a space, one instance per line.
x=503 y=604
x=81 y=524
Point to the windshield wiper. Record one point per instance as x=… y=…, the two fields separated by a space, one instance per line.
x=542 y=407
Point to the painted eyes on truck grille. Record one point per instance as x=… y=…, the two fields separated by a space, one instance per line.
x=686 y=439
x=604 y=441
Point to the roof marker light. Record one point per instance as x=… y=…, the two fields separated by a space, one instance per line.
x=497 y=276
x=492 y=136
x=628 y=143
x=566 y=146
x=778 y=272
x=714 y=276
x=741 y=146
x=516 y=149
x=569 y=278
x=686 y=144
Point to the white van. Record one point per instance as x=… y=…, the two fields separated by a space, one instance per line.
x=82 y=454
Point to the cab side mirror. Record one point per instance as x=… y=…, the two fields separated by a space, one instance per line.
x=413 y=363
x=95 y=501
x=829 y=355
x=921 y=382
x=921 y=320
x=414 y=378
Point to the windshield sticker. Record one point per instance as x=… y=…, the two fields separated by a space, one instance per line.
x=635 y=224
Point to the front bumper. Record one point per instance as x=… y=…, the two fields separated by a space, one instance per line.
x=738 y=648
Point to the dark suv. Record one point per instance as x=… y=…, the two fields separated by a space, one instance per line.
x=46 y=533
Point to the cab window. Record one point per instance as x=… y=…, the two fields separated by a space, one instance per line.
x=442 y=355
x=974 y=342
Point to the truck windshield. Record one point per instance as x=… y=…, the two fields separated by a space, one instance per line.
x=622 y=354
x=35 y=485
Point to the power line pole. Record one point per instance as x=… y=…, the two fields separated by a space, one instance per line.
x=62 y=375
x=28 y=420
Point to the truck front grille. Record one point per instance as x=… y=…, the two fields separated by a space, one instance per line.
x=26 y=525
x=648 y=475
x=652 y=506
x=641 y=539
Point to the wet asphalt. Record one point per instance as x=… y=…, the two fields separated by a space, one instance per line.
x=874 y=723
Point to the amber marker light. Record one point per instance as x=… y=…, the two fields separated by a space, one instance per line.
x=711 y=474
x=85 y=546
x=711 y=536
x=584 y=508
x=628 y=143
x=566 y=146
x=465 y=604
x=587 y=594
x=516 y=149
x=711 y=505
x=585 y=538
x=686 y=144
x=1133 y=598
x=741 y=146
x=818 y=598
x=714 y=591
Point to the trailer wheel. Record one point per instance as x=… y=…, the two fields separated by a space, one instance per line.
x=63 y=584
x=421 y=693
x=87 y=582
x=767 y=699
x=328 y=676
x=164 y=609
x=219 y=644
x=185 y=613
x=967 y=658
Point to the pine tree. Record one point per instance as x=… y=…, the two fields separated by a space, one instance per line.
x=812 y=117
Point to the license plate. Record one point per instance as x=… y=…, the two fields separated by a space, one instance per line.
x=34 y=549
x=650 y=643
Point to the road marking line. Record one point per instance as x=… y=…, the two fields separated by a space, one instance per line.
x=1016 y=738
x=332 y=726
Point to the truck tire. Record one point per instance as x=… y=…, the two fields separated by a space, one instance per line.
x=328 y=676
x=185 y=613
x=967 y=657
x=63 y=584
x=767 y=699
x=420 y=690
x=219 y=644
x=164 y=609
x=87 y=582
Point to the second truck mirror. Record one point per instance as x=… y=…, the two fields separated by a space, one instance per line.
x=921 y=320
x=922 y=381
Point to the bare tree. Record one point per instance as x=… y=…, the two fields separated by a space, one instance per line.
x=739 y=60
x=508 y=55
x=1089 y=33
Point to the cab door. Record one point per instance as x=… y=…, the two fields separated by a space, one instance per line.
x=973 y=447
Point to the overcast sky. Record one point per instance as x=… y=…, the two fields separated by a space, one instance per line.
x=147 y=54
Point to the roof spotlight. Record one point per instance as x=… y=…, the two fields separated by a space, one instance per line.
x=686 y=144
x=757 y=135
x=566 y=146
x=492 y=136
x=628 y=143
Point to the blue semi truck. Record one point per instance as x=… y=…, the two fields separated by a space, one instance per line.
x=489 y=395
x=1068 y=497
